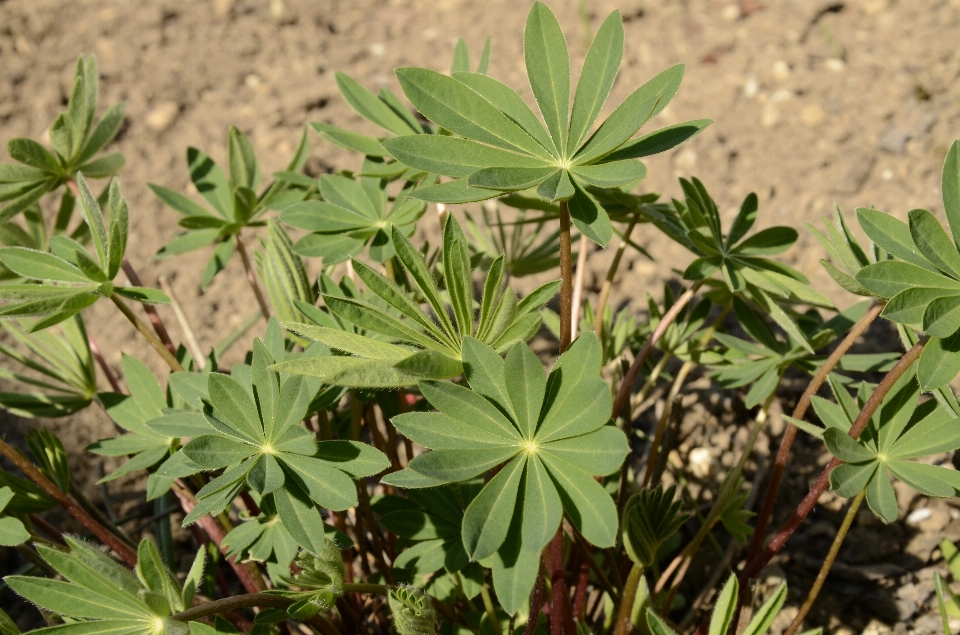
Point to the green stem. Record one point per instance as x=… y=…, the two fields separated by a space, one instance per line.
x=491 y=612
x=154 y=341
x=624 y=624
x=827 y=564
x=260 y=600
x=251 y=278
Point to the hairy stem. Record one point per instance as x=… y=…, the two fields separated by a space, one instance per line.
x=624 y=624
x=669 y=317
x=536 y=604
x=125 y=553
x=260 y=600
x=158 y=346
x=608 y=282
x=251 y=278
x=149 y=309
x=566 y=277
x=783 y=454
x=827 y=563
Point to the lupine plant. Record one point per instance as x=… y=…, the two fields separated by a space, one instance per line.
x=418 y=441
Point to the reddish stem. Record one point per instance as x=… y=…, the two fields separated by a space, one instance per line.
x=123 y=551
x=536 y=605
x=783 y=454
x=102 y=363
x=158 y=326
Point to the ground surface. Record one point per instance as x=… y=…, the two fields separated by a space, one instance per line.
x=814 y=101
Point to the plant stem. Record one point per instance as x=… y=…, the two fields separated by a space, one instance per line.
x=167 y=356
x=149 y=309
x=30 y=471
x=577 y=299
x=566 y=277
x=261 y=600
x=668 y=318
x=624 y=624
x=809 y=502
x=188 y=334
x=611 y=274
x=783 y=454
x=536 y=604
x=491 y=612
x=251 y=278
x=250 y=580
x=827 y=564
x=102 y=363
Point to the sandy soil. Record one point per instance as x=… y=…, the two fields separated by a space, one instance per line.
x=815 y=102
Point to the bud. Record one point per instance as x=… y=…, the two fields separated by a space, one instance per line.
x=649 y=518
x=413 y=612
x=320 y=581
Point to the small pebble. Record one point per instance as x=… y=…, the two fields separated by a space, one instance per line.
x=162 y=115
x=917 y=516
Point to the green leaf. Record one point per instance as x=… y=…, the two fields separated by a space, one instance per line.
x=936 y=433
x=484 y=370
x=244 y=168
x=510 y=103
x=611 y=174
x=893 y=236
x=942 y=316
x=453 y=193
x=846 y=449
x=577 y=410
x=371 y=108
x=763 y=618
x=354 y=458
x=349 y=342
x=596 y=79
x=471 y=409
x=177 y=201
x=90 y=210
x=103 y=133
x=556 y=186
x=236 y=406
x=413 y=262
x=145 y=295
x=725 y=607
x=542 y=509
x=926 y=479
x=71 y=600
x=888 y=278
x=881 y=497
x=509 y=179
x=656 y=624
x=460 y=465
x=770 y=241
x=40 y=265
x=488 y=517
x=548 y=70
x=933 y=242
x=33 y=154
x=212 y=452
x=107 y=165
x=12 y=532
x=210 y=182
x=300 y=517
x=350 y=140
x=600 y=452
x=456 y=157
x=950 y=187
x=411 y=479
x=526 y=386
x=939 y=363
x=589 y=217
x=327 y=486
x=515 y=569
x=661 y=140
x=909 y=305
x=849 y=479
x=452 y=105
x=589 y=507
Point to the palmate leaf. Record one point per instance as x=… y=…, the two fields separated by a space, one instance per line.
x=504 y=147
x=550 y=431
x=264 y=447
x=422 y=344
x=900 y=432
x=99 y=596
x=351 y=216
x=234 y=203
